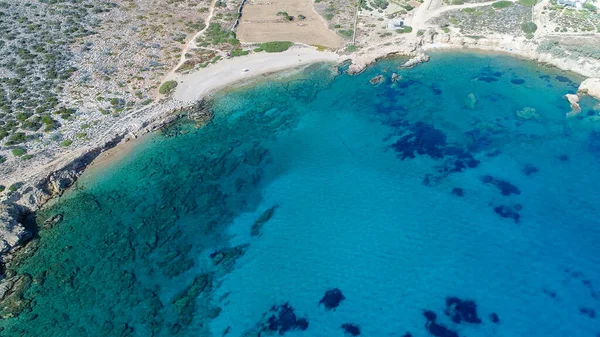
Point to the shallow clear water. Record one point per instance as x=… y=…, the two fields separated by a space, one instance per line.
x=399 y=194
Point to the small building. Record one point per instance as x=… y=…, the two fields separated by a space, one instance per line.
x=395 y=24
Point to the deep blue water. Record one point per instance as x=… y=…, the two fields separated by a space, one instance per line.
x=424 y=195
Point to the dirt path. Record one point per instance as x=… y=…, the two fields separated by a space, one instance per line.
x=191 y=44
x=539 y=19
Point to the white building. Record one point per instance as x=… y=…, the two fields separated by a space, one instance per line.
x=395 y=24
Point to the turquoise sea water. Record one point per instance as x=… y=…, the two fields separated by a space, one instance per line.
x=401 y=195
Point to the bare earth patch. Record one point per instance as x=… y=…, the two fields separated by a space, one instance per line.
x=260 y=23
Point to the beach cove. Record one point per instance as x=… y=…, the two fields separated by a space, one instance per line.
x=458 y=179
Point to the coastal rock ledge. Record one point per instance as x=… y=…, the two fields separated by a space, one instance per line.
x=590 y=86
x=12 y=231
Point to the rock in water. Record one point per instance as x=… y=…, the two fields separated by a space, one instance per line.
x=471 y=101
x=332 y=298
x=259 y=223
x=590 y=86
x=377 y=79
x=574 y=101
x=460 y=310
x=284 y=319
x=351 y=329
x=528 y=113
x=395 y=77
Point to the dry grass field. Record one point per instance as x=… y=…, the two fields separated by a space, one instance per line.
x=261 y=23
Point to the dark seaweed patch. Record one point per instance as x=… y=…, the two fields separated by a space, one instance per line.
x=517 y=81
x=460 y=310
x=508 y=212
x=545 y=78
x=563 y=79
x=332 y=298
x=594 y=141
x=439 y=330
x=591 y=313
x=487 y=79
x=458 y=191
x=407 y=334
x=436 y=91
x=504 y=186
x=351 y=329
x=284 y=319
x=591 y=112
x=430 y=315
x=494 y=318
x=563 y=157
x=550 y=293
x=529 y=169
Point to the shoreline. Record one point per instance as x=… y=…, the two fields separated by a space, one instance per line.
x=56 y=176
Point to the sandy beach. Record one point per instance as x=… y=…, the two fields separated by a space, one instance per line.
x=194 y=86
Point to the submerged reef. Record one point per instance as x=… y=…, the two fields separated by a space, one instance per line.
x=460 y=310
x=504 y=186
x=351 y=329
x=332 y=298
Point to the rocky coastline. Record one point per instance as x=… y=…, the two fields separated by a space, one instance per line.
x=57 y=176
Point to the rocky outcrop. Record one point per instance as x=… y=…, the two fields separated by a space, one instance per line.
x=417 y=59
x=590 y=86
x=12 y=231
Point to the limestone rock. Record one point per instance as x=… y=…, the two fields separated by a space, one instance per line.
x=417 y=59
x=12 y=232
x=590 y=86
x=574 y=101
x=377 y=79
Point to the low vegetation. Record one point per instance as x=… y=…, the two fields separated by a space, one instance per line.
x=167 y=87
x=276 y=46
x=502 y=4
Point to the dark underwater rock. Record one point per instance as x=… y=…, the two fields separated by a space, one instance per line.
x=13 y=301
x=504 y=186
x=529 y=169
x=332 y=298
x=259 y=223
x=423 y=139
x=407 y=334
x=563 y=157
x=494 y=318
x=284 y=319
x=460 y=310
x=458 y=191
x=517 y=81
x=430 y=315
x=439 y=330
x=487 y=79
x=53 y=221
x=184 y=303
x=228 y=256
x=509 y=212
x=351 y=329
x=563 y=79
x=589 y=312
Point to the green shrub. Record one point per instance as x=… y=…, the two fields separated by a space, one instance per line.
x=14 y=187
x=420 y=32
x=18 y=151
x=66 y=143
x=458 y=2
x=351 y=48
x=27 y=157
x=383 y=4
x=80 y=135
x=403 y=30
x=258 y=49
x=276 y=46
x=2 y=188
x=529 y=27
x=590 y=7
x=2 y=159
x=528 y=3
x=167 y=87
x=346 y=33
x=502 y=4
x=328 y=16
x=238 y=52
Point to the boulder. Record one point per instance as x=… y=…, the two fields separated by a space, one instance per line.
x=590 y=86
x=377 y=79
x=528 y=113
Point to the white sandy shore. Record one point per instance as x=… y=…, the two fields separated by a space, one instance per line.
x=196 y=85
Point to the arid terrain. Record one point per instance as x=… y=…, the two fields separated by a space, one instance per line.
x=285 y=20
